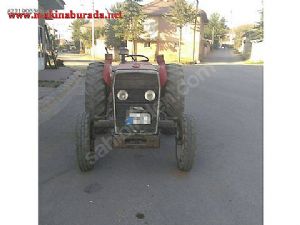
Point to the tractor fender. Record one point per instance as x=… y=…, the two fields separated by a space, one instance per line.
x=107 y=69
x=163 y=77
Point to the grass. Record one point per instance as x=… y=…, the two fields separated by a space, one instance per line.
x=254 y=62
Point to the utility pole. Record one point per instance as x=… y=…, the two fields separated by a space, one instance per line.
x=213 y=36
x=195 y=27
x=93 y=31
x=231 y=19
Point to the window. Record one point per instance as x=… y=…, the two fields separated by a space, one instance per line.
x=150 y=26
x=147 y=44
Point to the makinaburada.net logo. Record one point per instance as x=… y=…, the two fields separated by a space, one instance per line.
x=54 y=14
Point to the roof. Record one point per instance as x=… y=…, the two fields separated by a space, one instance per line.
x=99 y=23
x=162 y=7
x=158 y=7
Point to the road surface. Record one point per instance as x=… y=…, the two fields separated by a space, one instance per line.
x=145 y=187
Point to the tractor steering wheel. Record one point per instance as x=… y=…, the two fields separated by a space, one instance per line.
x=133 y=57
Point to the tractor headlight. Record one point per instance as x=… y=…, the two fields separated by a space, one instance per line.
x=122 y=95
x=150 y=95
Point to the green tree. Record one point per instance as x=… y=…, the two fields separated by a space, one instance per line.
x=76 y=33
x=132 y=21
x=259 y=27
x=251 y=31
x=240 y=32
x=86 y=37
x=114 y=31
x=181 y=13
x=129 y=27
x=216 y=27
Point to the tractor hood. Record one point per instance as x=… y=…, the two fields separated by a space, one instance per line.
x=136 y=66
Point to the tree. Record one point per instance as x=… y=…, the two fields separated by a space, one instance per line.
x=76 y=33
x=181 y=13
x=251 y=31
x=128 y=27
x=259 y=28
x=216 y=27
x=86 y=37
x=114 y=31
x=240 y=31
x=132 y=21
x=195 y=28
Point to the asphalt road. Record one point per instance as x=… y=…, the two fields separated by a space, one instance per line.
x=223 y=188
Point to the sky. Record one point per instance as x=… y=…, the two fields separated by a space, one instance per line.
x=236 y=12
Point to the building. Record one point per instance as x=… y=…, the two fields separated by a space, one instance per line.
x=229 y=38
x=162 y=37
x=44 y=6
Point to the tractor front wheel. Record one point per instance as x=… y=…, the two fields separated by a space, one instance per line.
x=185 y=143
x=85 y=143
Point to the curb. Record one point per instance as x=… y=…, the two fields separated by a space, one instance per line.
x=46 y=102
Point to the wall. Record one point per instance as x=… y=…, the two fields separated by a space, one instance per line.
x=252 y=50
x=100 y=49
x=257 y=52
x=245 y=48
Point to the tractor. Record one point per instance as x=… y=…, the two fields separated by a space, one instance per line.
x=133 y=103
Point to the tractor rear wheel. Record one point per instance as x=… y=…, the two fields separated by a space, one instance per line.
x=185 y=144
x=172 y=101
x=95 y=91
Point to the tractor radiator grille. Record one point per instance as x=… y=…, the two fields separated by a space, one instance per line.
x=136 y=84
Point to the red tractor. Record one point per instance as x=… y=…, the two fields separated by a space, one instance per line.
x=132 y=104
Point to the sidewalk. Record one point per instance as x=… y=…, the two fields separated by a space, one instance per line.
x=72 y=60
x=60 y=74
x=50 y=79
